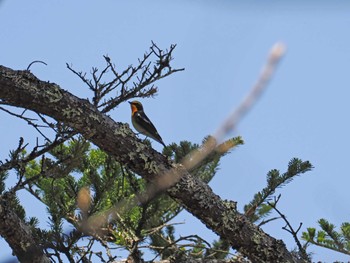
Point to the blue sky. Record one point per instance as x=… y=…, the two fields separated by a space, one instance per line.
x=222 y=45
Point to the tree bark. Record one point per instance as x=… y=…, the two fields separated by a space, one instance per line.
x=18 y=235
x=23 y=89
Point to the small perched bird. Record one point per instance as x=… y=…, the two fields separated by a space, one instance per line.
x=141 y=122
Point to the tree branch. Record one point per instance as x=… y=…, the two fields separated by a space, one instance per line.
x=118 y=140
x=18 y=235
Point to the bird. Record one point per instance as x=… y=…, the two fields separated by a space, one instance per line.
x=142 y=123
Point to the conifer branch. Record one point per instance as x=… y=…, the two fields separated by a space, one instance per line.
x=328 y=237
x=256 y=210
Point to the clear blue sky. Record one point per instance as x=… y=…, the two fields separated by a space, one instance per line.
x=222 y=44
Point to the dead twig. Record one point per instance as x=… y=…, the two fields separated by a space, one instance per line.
x=109 y=94
x=288 y=227
x=35 y=61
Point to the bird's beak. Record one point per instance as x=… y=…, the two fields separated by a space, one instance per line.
x=129 y=102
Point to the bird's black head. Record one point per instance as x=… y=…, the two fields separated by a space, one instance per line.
x=136 y=105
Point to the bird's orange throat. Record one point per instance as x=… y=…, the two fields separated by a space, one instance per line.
x=133 y=109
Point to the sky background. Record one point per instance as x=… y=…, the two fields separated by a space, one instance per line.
x=222 y=44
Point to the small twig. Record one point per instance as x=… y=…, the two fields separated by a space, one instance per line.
x=15 y=162
x=107 y=248
x=82 y=76
x=35 y=61
x=86 y=251
x=30 y=189
x=157 y=228
x=112 y=67
x=268 y=221
x=29 y=121
x=290 y=229
x=192 y=238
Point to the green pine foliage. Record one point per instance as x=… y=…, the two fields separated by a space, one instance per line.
x=162 y=241
x=329 y=237
x=258 y=209
x=58 y=179
x=207 y=168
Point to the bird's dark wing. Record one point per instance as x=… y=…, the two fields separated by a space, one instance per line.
x=148 y=127
x=146 y=123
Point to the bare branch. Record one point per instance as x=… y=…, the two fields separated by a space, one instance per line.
x=35 y=61
x=141 y=76
x=30 y=121
x=290 y=229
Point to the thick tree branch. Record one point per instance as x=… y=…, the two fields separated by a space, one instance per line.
x=18 y=235
x=23 y=89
